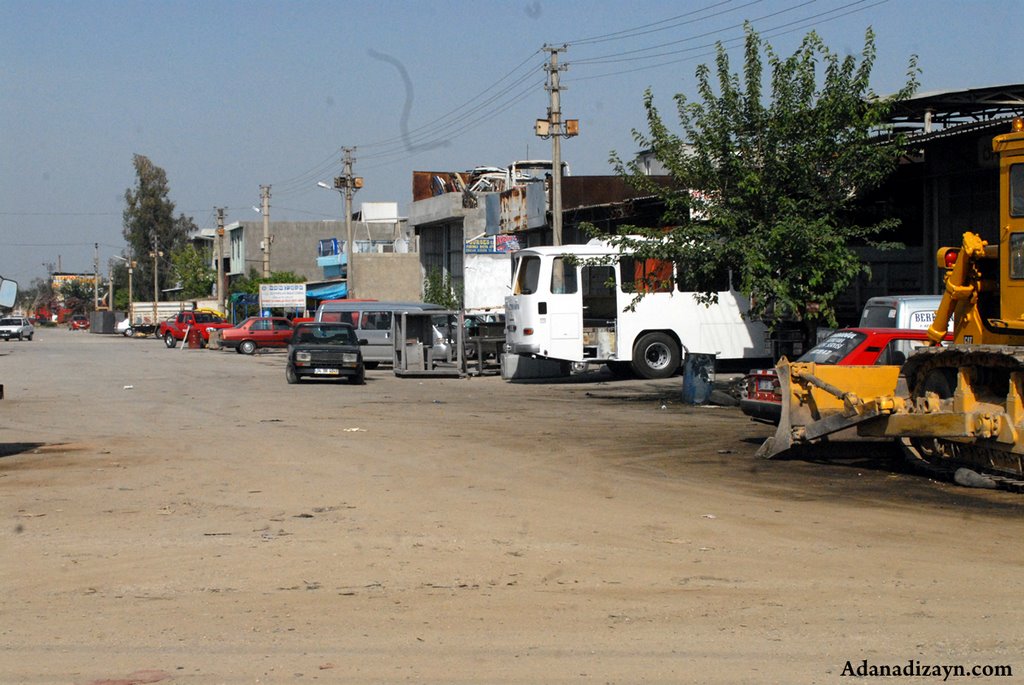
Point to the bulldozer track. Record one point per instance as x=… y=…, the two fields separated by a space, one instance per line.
x=947 y=471
x=948 y=456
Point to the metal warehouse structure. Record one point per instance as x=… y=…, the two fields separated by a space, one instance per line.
x=947 y=184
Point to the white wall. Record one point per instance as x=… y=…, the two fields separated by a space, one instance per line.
x=486 y=280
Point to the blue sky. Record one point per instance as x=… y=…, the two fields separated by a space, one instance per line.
x=226 y=96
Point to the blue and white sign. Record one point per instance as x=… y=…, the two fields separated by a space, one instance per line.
x=283 y=295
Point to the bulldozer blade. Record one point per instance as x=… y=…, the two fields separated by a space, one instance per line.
x=818 y=401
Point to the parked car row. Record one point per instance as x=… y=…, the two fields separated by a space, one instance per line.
x=22 y=327
x=345 y=337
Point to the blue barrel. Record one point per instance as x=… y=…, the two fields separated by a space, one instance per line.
x=698 y=378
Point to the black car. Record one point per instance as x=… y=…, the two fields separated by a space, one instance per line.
x=325 y=350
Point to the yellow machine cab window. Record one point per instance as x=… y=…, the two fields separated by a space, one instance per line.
x=1017 y=255
x=1017 y=190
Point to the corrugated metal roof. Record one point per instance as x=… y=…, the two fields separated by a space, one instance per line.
x=943 y=109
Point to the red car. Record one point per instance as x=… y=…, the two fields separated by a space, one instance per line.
x=256 y=332
x=760 y=398
x=79 y=322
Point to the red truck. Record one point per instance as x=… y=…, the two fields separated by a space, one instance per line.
x=174 y=329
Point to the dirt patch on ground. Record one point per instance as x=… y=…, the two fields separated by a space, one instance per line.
x=188 y=514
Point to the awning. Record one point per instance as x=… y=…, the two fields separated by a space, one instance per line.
x=328 y=292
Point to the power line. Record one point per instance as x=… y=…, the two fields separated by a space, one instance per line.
x=708 y=49
x=448 y=116
x=429 y=134
x=624 y=55
x=664 y=24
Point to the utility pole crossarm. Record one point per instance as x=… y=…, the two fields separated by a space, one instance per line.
x=349 y=184
x=553 y=127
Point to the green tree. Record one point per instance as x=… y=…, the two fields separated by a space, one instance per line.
x=148 y=219
x=78 y=294
x=192 y=270
x=438 y=289
x=772 y=183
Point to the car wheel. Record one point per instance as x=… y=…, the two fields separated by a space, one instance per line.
x=20 y=337
x=30 y=336
x=169 y=341
x=656 y=355
x=290 y=375
x=247 y=347
x=129 y=332
x=358 y=379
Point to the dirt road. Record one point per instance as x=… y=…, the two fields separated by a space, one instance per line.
x=187 y=517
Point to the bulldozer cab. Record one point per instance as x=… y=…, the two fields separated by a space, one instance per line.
x=1010 y=148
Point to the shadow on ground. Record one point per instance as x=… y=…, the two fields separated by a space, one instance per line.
x=9 y=449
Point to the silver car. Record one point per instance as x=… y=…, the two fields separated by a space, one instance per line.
x=16 y=327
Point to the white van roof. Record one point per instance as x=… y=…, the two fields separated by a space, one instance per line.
x=892 y=300
x=348 y=306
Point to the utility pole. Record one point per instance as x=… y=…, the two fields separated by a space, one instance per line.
x=110 y=285
x=220 y=260
x=95 y=276
x=265 y=196
x=131 y=268
x=156 y=254
x=349 y=184
x=553 y=127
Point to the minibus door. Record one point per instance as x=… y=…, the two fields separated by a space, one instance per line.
x=565 y=311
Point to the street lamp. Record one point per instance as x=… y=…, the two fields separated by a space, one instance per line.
x=131 y=266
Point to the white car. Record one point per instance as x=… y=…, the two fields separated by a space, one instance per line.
x=16 y=327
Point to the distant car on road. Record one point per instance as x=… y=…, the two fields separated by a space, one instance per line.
x=16 y=327
x=325 y=350
x=760 y=398
x=256 y=332
x=79 y=322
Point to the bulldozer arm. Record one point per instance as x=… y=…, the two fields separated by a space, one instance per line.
x=819 y=400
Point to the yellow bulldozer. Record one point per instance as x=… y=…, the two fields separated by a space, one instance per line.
x=956 y=409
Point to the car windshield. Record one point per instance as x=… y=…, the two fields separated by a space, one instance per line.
x=878 y=316
x=325 y=335
x=203 y=317
x=10 y=322
x=834 y=348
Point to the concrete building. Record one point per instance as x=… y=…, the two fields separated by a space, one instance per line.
x=468 y=234
x=386 y=265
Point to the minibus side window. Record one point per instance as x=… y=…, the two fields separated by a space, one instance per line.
x=563 y=276
x=528 y=277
